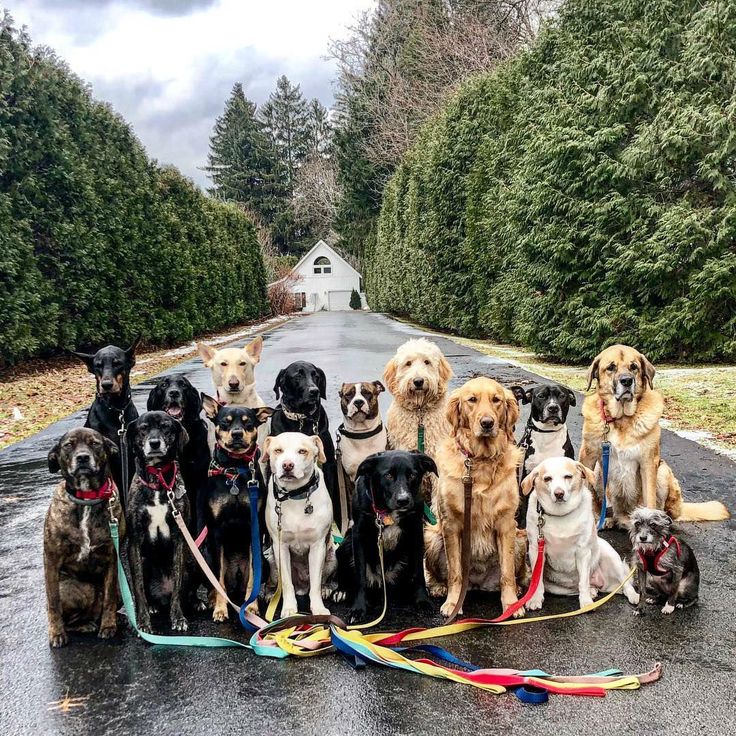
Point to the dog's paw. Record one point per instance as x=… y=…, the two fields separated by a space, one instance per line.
x=86 y=628
x=609 y=523
x=520 y=613
x=679 y=605
x=199 y=606
x=422 y=602
x=339 y=596
x=219 y=615
x=535 y=602
x=651 y=601
x=58 y=639
x=179 y=624
x=252 y=607
x=593 y=593
x=667 y=608
x=437 y=590
x=357 y=615
x=153 y=611
x=107 y=632
x=448 y=607
x=288 y=611
x=144 y=627
x=632 y=596
x=584 y=601
x=637 y=612
x=318 y=610
x=328 y=592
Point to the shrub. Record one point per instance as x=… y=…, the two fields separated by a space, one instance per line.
x=355 y=302
x=582 y=195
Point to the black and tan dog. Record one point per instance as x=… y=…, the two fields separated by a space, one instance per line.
x=179 y=399
x=300 y=387
x=78 y=554
x=155 y=544
x=388 y=491
x=226 y=510
x=113 y=405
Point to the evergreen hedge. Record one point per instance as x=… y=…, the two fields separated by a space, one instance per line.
x=97 y=243
x=582 y=195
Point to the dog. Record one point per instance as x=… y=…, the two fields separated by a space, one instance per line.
x=627 y=407
x=300 y=387
x=481 y=415
x=545 y=434
x=227 y=506
x=113 y=407
x=362 y=432
x=79 y=558
x=576 y=560
x=155 y=544
x=176 y=396
x=298 y=518
x=417 y=377
x=233 y=372
x=667 y=568
x=388 y=492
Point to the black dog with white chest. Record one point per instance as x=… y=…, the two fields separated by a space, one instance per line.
x=155 y=543
x=545 y=435
x=388 y=492
x=179 y=399
x=113 y=406
x=301 y=386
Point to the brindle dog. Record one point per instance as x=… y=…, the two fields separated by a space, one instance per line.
x=78 y=555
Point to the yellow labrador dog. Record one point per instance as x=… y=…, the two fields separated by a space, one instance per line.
x=233 y=372
x=626 y=402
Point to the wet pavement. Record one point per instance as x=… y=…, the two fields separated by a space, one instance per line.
x=132 y=688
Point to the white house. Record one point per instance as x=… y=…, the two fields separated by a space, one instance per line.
x=326 y=280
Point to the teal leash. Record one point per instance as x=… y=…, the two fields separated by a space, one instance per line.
x=428 y=515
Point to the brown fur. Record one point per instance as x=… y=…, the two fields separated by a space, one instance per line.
x=635 y=436
x=495 y=545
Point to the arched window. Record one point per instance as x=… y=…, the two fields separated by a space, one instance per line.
x=322 y=265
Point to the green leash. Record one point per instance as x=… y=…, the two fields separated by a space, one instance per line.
x=428 y=515
x=176 y=641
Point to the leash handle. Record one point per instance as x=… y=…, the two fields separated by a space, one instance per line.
x=465 y=551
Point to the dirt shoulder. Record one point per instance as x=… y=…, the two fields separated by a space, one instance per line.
x=36 y=393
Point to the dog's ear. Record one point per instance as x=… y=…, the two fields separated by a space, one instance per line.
x=380 y=388
x=53 y=457
x=573 y=398
x=86 y=358
x=343 y=389
x=426 y=464
x=588 y=475
x=155 y=398
x=192 y=402
x=389 y=375
x=322 y=382
x=445 y=370
x=210 y=406
x=593 y=372
x=368 y=465
x=454 y=412
x=520 y=393
x=255 y=348
x=647 y=370
x=266 y=448
x=527 y=485
x=512 y=411
x=182 y=437
x=207 y=353
x=277 y=385
x=130 y=352
x=263 y=413
x=321 y=457
x=110 y=448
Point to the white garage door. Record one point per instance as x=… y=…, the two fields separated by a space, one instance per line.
x=338 y=300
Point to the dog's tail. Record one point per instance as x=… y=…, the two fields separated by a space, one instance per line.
x=705 y=511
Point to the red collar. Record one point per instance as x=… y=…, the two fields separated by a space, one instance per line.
x=466 y=453
x=159 y=473
x=105 y=491
x=384 y=515
x=605 y=418
x=245 y=457
x=650 y=560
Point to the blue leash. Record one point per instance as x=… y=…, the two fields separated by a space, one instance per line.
x=605 y=458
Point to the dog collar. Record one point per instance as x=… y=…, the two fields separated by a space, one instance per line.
x=650 y=560
x=605 y=418
x=296 y=494
x=350 y=434
x=233 y=473
x=95 y=496
x=157 y=478
x=245 y=457
x=534 y=428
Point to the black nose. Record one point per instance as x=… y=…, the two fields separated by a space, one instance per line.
x=418 y=383
x=486 y=423
x=359 y=402
x=106 y=384
x=553 y=409
x=174 y=393
x=154 y=443
x=237 y=434
x=642 y=538
x=233 y=383
x=403 y=501
x=559 y=495
x=313 y=392
x=627 y=381
x=83 y=458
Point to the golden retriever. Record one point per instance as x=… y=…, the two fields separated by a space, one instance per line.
x=481 y=415
x=625 y=400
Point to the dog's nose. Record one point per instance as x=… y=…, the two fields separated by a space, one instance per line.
x=642 y=537
x=237 y=434
x=83 y=458
x=553 y=409
x=233 y=382
x=174 y=393
x=154 y=443
x=418 y=383
x=559 y=495
x=627 y=380
x=403 y=500
x=287 y=466
x=313 y=392
x=358 y=403
x=106 y=384
x=487 y=423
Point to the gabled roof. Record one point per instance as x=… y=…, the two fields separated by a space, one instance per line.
x=322 y=244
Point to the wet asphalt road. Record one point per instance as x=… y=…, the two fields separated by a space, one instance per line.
x=136 y=689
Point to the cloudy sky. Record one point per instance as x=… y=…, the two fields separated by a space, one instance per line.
x=168 y=65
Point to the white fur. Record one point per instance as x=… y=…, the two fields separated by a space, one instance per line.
x=546 y=445
x=301 y=536
x=577 y=561
x=157 y=525
x=355 y=451
x=86 y=546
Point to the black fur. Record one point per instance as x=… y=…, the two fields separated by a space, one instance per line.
x=301 y=386
x=177 y=397
x=111 y=368
x=393 y=480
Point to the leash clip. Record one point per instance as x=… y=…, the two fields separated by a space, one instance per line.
x=174 y=511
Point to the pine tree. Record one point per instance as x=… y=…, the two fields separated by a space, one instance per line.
x=355 y=302
x=242 y=163
x=319 y=130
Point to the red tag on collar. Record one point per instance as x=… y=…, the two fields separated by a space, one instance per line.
x=604 y=416
x=104 y=492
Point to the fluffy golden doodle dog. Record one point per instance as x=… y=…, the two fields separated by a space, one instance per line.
x=481 y=415
x=626 y=401
x=417 y=377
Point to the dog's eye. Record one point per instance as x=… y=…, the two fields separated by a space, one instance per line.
x=568 y=477
x=68 y=443
x=427 y=362
x=224 y=364
x=227 y=420
x=472 y=399
x=389 y=476
x=302 y=451
x=277 y=451
x=242 y=362
x=408 y=363
x=547 y=478
x=611 y=368
x=496 y=400
x=633 y=367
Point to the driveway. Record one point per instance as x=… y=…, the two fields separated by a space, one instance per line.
x=132 y=688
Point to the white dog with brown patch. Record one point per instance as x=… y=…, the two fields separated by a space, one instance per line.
x=233 y=372
x=576 y=560
x=299 y=518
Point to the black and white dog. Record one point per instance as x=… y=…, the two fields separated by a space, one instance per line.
x=300 y=387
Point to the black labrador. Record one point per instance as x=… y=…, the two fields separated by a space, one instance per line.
x=113 y=406
x=176 y=396
x=300 y=387
x=388 y=491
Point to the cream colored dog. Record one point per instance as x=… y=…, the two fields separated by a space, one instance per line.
x=233 y=372
x=576 y=560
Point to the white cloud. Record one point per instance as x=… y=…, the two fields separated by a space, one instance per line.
x=169 y=75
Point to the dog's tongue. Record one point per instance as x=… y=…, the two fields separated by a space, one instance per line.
x=174 y=411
